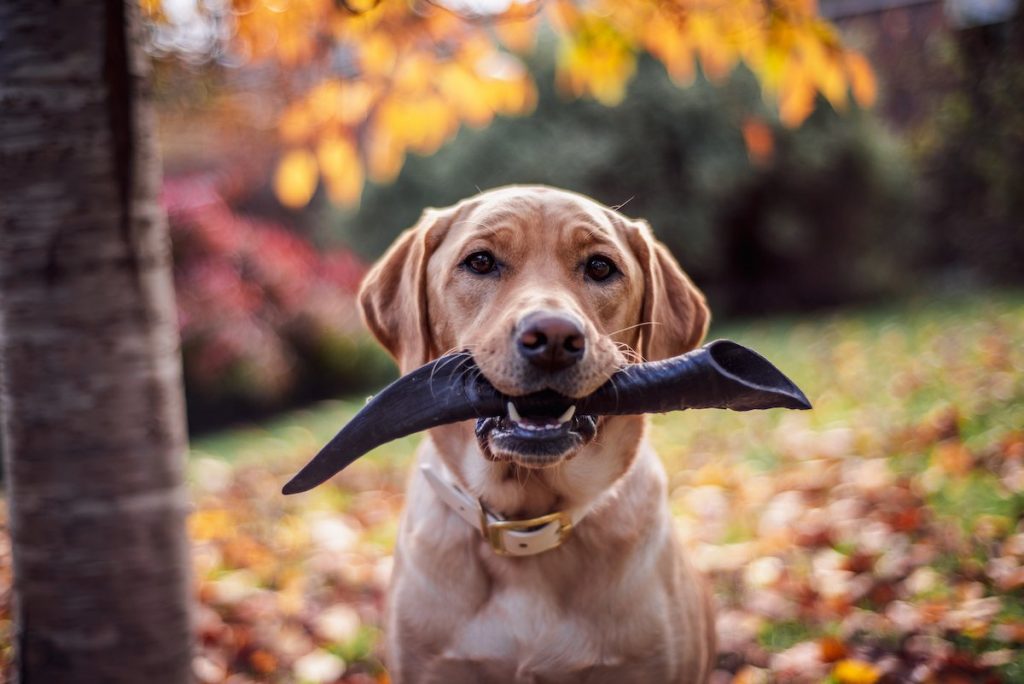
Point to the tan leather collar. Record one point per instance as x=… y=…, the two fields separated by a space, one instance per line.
x=506 y=537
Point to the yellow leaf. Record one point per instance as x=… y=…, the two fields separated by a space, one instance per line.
x=414 y=71
x=507 y=87
x=773 y=66
x=211 y=523
x=862 y=79
x=464 y=91
x=596 y=60
x=434 y=123
x=336 y=155
x=833 y=84
x=422 y=123
x=666 y=40
x=295 y=178
x=344 y=102
x=341 y=169
x=384 y=156
x=347 y=189
x=361 y=6
x=796 y=101
x=324 y=101
x=377 y=55
x=717 y=57
x=356 y=99
x=852 y=671
x=153 y=10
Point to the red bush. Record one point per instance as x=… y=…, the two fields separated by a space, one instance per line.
x=259 y=309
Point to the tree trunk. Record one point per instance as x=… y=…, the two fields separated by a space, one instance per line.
x=93 y=420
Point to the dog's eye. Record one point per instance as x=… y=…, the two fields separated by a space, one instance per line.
x=598 y=268
x=480 y=262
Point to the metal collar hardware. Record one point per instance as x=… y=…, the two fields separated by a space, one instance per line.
x=505 y=537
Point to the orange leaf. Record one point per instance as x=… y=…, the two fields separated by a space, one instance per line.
x=759 y=140
x=263 y=661
x=953 y=457
x=862 y=79
x=832 y=649
x=384 y=156
x=666 y=40
x=796 y=101
x=295 y=125
x=833 y=83
x=519 y=34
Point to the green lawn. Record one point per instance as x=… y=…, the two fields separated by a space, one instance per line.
x=875 y=538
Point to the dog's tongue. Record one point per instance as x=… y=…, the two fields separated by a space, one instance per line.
x=722 y=374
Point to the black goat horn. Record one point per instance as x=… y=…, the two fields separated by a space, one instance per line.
x=722 y=374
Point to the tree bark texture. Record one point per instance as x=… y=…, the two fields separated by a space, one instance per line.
x=92 y=409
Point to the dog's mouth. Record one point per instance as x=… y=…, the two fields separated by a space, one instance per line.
x=544 y=432
x=543 y=428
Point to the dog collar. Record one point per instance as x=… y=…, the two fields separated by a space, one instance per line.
x=506 y=537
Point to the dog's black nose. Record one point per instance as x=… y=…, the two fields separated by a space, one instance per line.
x=550 y=341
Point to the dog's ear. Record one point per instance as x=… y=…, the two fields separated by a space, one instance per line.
x=393 y=296
x=675 y=315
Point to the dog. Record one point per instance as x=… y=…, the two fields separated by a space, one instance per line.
x=539 y=548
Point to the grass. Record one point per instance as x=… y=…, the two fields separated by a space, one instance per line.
x=886 y=518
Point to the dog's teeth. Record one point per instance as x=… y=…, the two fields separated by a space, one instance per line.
x=513 y=413
x=567 y=416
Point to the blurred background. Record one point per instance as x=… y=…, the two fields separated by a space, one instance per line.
x=844 y=181
x=918 y=195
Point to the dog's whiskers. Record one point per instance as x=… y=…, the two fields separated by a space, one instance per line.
x=461 y=361
x=630 y=327
x=631 y=354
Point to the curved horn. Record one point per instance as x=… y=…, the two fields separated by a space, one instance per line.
x=447 y=390
x=722 y=374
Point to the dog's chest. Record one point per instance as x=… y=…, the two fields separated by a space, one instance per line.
x=520 y=623
x=522 y=635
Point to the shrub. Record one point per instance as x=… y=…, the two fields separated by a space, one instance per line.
x=971 y=153
x=265 y=320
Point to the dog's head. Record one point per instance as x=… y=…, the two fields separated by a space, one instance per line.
x=548 y=290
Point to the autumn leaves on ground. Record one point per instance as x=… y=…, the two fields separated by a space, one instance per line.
x=876 y=538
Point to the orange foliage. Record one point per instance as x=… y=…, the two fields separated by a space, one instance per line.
x=855 y=672
x=757 y=136
x=295 y=178
x=394 y=76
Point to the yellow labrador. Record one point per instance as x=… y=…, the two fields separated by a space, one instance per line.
x=579 y=577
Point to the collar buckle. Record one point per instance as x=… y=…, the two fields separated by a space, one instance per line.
x=505 y=537
x=496 y=531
